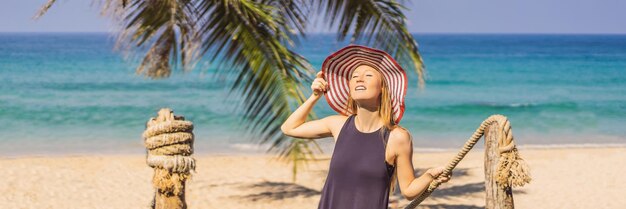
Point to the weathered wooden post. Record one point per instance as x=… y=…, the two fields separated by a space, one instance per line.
x=169 y=143
x=497 y=197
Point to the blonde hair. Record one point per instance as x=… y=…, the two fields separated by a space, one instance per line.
x=385 y=111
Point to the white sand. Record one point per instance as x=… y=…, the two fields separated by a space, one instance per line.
x=562 y=178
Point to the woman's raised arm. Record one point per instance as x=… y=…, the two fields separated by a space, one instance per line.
x=295 y=125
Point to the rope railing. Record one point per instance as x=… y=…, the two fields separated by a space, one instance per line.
x=512 y=169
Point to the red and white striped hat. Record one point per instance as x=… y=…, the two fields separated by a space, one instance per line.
x=338 y=66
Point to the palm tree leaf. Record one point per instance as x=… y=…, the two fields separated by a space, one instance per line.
x=169 y=25
x=44 y=9
x=253 y=39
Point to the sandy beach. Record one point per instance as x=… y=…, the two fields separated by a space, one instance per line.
x=590 y=177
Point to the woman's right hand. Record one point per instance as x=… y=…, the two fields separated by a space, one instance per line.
x=319 y=85
x=296 y=124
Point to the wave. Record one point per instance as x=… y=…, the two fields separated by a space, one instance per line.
x=244 y=147
x=249 y=147
x=468 y=108
x=452 y=83
x=122 y=86
x=582 y=145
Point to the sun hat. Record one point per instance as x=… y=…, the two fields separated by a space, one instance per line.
x=337 y=68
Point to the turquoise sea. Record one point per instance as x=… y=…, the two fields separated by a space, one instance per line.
x=71 y=93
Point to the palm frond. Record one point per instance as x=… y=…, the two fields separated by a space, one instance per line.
x=44 y=9
x=299 y=153
x=168 y=26
x=294 y=16
x=251 y=39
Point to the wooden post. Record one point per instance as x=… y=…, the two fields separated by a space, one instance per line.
x=496 y=197
x=169 y=200
x=169 y=140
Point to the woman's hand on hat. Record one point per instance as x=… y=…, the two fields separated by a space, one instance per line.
x=436 y=172
x=319 y=85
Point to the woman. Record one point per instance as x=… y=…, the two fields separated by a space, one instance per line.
x=366 y=87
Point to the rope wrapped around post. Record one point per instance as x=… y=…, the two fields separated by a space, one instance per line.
x=169 y=143
x=512 y=169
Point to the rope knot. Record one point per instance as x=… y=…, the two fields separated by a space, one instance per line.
x=169 y=143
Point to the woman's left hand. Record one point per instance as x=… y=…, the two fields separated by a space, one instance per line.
x=436 y=173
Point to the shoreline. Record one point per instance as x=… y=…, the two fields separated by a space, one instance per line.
x=24 y=147
x=260 y=151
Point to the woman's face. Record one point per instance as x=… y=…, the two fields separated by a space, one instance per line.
x=365 y=84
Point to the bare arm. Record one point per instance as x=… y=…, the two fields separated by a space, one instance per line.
x=410 y=186
x=295 y=125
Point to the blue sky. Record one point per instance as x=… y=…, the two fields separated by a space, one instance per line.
x=424 y=16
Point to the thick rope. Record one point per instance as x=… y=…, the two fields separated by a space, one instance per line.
x=512 y=169
x=169 y=141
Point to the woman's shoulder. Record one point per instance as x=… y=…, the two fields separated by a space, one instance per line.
x=397 y=129
x=337 y=119
x=335 y=123
x=400 y=135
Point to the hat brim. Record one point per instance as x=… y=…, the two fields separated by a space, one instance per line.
x=338 y=66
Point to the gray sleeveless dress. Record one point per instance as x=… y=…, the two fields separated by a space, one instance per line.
x=359 y=176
